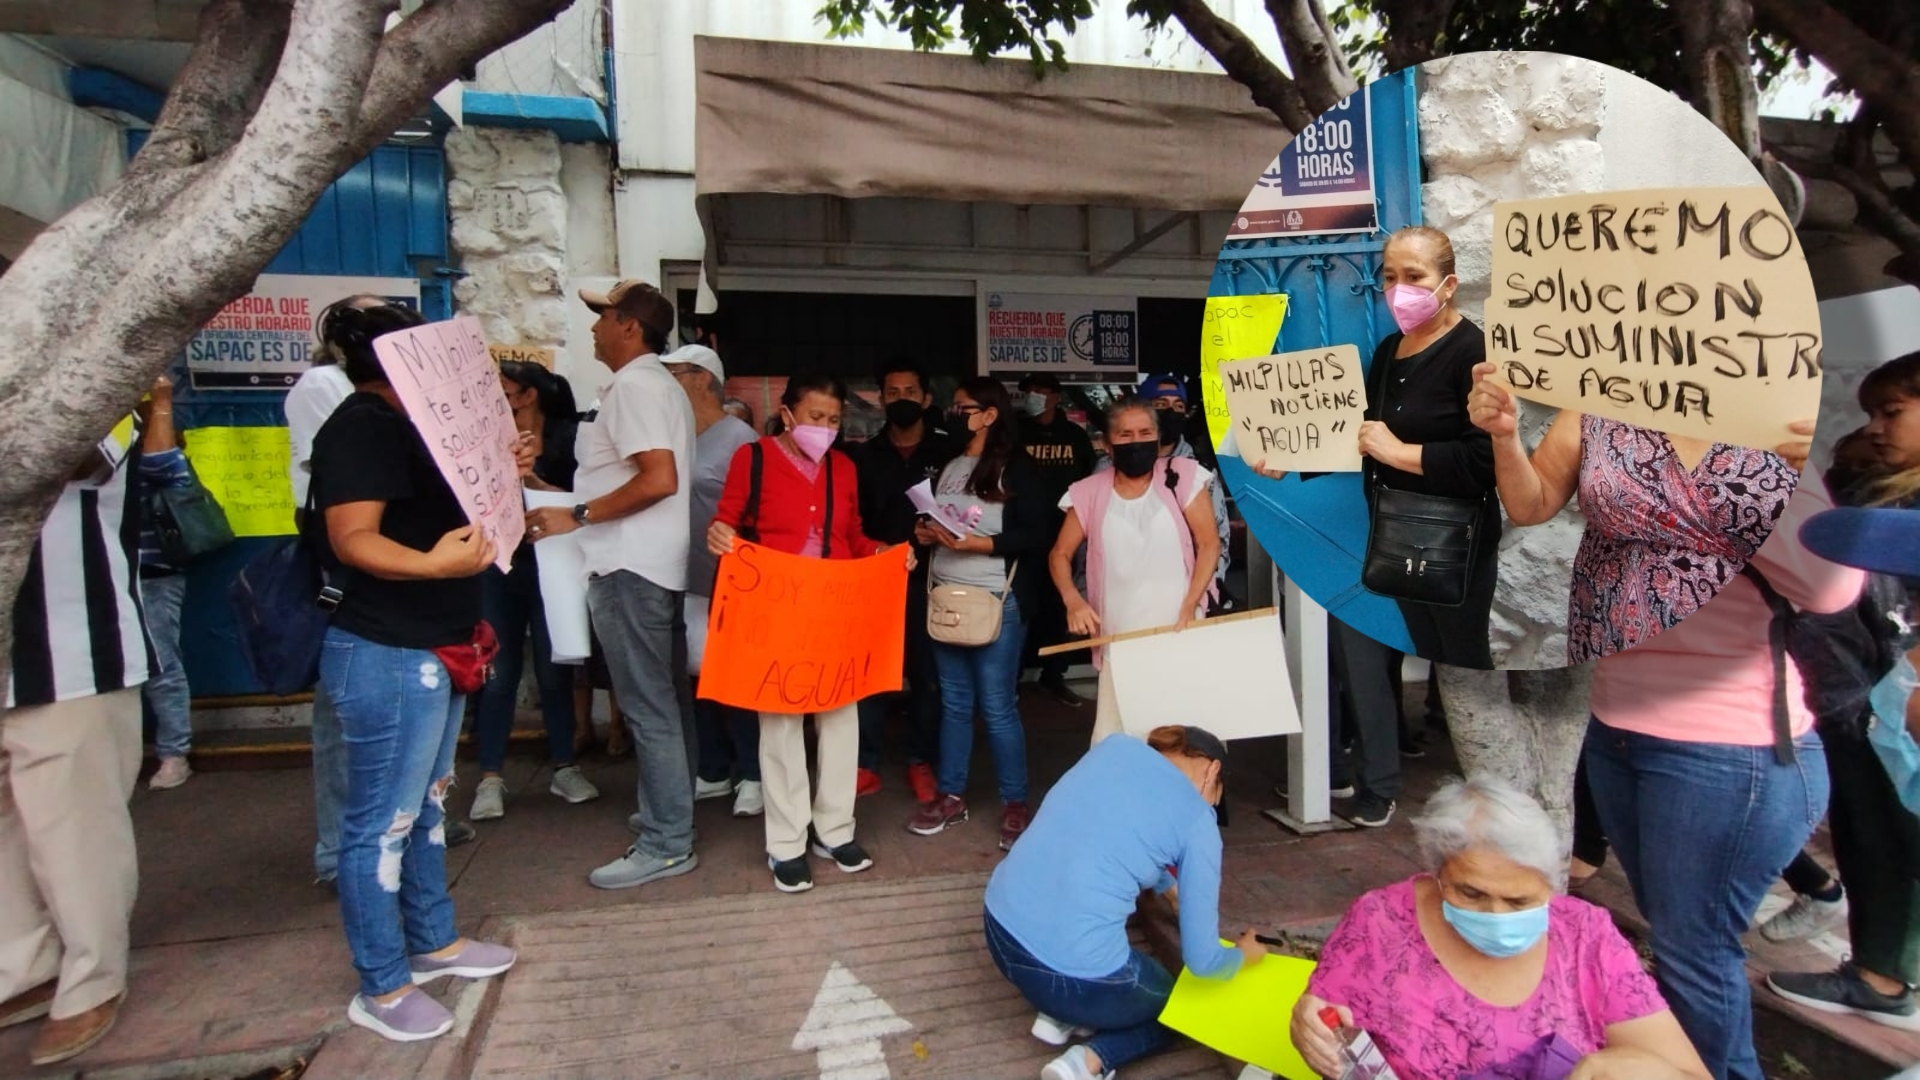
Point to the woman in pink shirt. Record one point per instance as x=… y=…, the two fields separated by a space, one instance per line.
x=1484 y=961
x=1700 y=753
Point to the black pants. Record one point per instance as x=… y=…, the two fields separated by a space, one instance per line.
x=1876 y=845
x=923 y=691
x=1047 y=625
x=1458 y=635
x=1368 y=673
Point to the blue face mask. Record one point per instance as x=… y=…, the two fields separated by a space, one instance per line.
x=1888 y=735
x=1498 y=934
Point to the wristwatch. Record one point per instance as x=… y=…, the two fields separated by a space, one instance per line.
x=580 y=514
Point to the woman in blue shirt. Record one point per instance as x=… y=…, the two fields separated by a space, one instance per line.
x=1057 y=908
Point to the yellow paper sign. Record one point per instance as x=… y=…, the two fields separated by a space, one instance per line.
x=1248 y=1017
x=527 y=354
x=245 y=469
x=1234 y=328
x=1683 y=310
x=1298 y=411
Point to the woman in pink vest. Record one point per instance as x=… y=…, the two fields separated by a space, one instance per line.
x=1151 y=544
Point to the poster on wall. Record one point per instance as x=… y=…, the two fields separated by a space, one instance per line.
x=1027 y=332
x=1321 y=183
x=264 y=340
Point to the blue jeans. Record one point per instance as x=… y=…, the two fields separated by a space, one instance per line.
x=400 y=719
x=1702 y=829
x=1123 y=1008
x=166 y=693
x=329 y=785
x=987 y=675
x=511 y=603
x=643 y=629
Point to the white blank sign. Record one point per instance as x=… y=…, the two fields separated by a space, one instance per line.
x=1242 y=665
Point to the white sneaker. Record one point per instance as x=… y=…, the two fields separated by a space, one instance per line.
x=711 y=789
x=1805 y=917
x=172 y=773
x=1056 y=1033
x=749 y=800
x=1072 y=1065
x=489 y=800
x=572 y=785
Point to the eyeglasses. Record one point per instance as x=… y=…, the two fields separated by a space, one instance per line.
x=967 y=410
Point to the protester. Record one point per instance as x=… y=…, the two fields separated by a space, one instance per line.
x=1151 y=544
x=912 y=450
x=407 y=563
x=1469 y=966
x=543 y=407
x=1057 y=908
x=634 y=483
x=809 y=505
x=163 y=593
x=739 y=410
x=1062 y=453
x=996 y=484
x=1168 y=396
x=729 y=759
x=69 y=755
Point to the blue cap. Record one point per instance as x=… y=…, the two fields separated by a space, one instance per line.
x=1152 y=390
x=1884 y=541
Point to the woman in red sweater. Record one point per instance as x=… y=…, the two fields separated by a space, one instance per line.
x=808 y=505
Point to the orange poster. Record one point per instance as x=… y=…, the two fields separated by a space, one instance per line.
x=789 y=634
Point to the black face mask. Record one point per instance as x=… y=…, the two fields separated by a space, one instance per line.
x=1170 y=427
x=904 y=413
x=1135 y=459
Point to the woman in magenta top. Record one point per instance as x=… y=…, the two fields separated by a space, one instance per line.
x=1477 y=963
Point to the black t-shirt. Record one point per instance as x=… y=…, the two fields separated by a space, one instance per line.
x=885 y=475
x=368 y=452
x=1426 y=406
x=1062 y=453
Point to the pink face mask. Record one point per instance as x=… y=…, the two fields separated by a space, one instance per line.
x=813 y=439
x=1412 y=306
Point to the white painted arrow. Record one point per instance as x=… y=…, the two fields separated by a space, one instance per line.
x=845 y=1026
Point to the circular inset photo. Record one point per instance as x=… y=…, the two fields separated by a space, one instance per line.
x=1510 y=359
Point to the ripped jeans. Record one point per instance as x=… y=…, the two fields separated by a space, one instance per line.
x=400 y=720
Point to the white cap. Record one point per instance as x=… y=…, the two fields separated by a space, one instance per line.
x=699 y=356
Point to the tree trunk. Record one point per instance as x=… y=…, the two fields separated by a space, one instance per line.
x=1414 y=30
x=1244 y=62
x=1319 y=68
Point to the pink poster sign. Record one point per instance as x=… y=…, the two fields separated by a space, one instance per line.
x=450 y=386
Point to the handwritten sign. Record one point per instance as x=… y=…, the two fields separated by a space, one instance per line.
x=1234 y=328
x=450 y=386
x=1298 y=411
x=1683 y=310
x=791 y=634
x=245 y=470
x=1246 y=1017
x=525 y=354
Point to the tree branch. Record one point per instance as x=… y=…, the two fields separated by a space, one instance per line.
x=1715 y=40
x=1413 y=30
x=1876 y=206
x=1244 y=62
x=1319 y=68
x=1881 y=76
x=220 y=87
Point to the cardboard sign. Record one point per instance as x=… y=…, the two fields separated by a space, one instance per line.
x=1234 y=328
x=1683 y=310
x=450 y=386
x=245 y=470
x=1298 y=411
x=1247 y=1017
x=790 y=634
x=1249 y=694
x=526 y=354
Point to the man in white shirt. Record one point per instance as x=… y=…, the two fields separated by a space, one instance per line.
x=636 y=451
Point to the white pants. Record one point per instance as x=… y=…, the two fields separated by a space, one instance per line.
x=792 y=803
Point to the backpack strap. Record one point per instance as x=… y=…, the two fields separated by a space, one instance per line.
x=749 y=529
x=826 y=531
x=1783 y=616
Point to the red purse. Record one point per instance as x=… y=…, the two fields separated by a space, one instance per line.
x=470 y=663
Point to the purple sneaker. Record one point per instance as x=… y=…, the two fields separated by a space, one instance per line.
x=415 y=1016
x=479 y=960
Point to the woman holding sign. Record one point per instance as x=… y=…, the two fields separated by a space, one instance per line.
x=397 y=664
x=794 y=493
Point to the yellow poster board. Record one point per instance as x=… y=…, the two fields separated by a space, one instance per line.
x=245 y=469
x=1298 y=411
x=1234 y=328
x=1248 y=1017
x=1683 y=310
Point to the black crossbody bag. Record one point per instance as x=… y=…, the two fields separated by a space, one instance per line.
x=1420 y=548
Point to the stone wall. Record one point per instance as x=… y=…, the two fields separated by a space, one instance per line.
x=509 y=215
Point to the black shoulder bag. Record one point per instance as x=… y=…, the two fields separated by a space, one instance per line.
x=1420 y=548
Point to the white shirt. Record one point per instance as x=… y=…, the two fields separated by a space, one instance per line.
x=313 y=398
x=642 y=409
x=1145 y=575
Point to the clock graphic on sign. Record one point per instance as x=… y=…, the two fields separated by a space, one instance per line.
x=1080 y=337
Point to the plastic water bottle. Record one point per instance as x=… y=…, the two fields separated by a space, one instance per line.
x=1361 y=1058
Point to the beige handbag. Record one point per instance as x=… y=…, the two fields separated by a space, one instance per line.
x=965 y=614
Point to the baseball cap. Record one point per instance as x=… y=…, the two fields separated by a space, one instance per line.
x=699 y=356
x=1041 y=380
x=636 y=300
x=1152 y=390
x=1883 y=541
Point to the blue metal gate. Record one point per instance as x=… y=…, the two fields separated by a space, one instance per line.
x=1317 y=531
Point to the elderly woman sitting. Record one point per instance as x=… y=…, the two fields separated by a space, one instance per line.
x=1483 y=959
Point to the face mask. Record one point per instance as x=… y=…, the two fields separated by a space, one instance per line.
x=1135 y=459
x=960 y=423
x=1033 y=404
x=1169 y=427
x=814 y=440
x=904 y=413
x=1412 y=307
x=1888 y=734
x=1497 y=934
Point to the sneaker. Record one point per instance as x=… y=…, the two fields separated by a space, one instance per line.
x=1334 y=791
x=920 y=779
x=793 y=875
x=173 y=772
x=1058 y=689
x=489 y=800
x=634 y=869
x=1072 y=1065
x=1805 y=917
x=1844 y=991
x=415 y=1016
x=749 y=800
x=849 y=857
x=938 y=816
x=868 y=784
x=459 y=832
x=1372 y=811
x=1413 y=745
x=572 y=785
x=711 y=789
x=1013 y=822
x=476 y=960
x=1055 y=1032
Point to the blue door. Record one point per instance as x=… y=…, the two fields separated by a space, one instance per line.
x=1317 y=531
